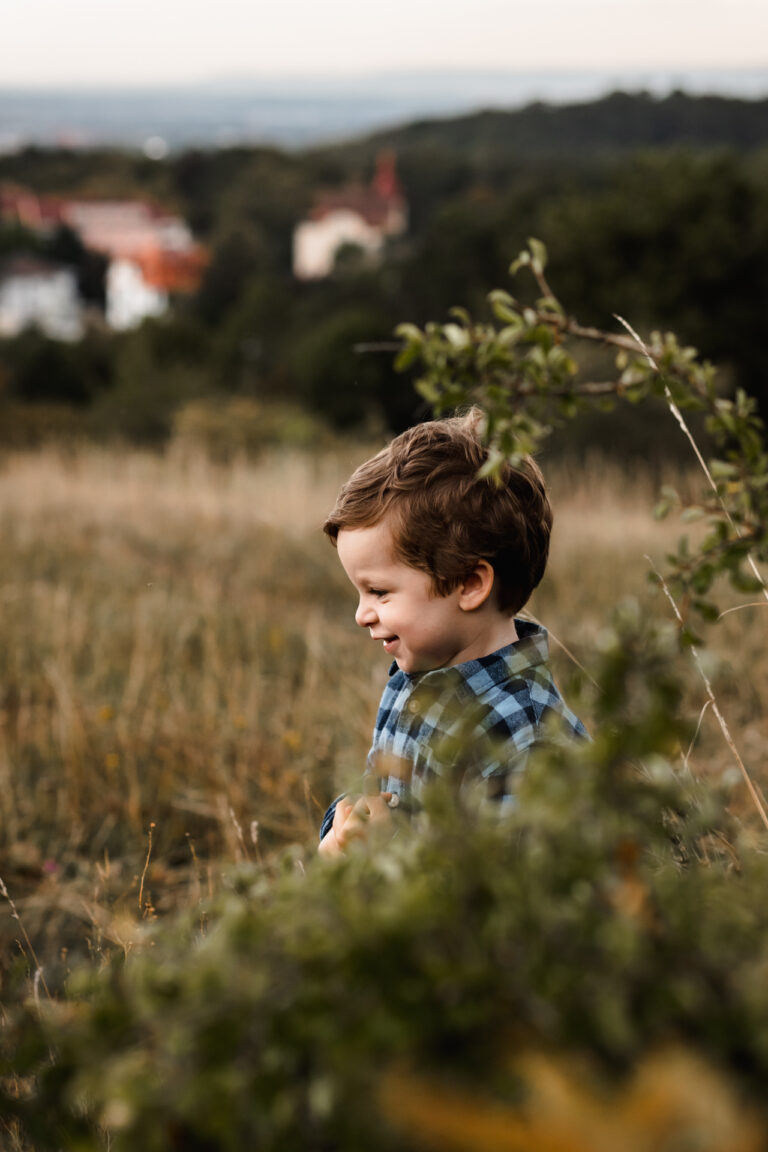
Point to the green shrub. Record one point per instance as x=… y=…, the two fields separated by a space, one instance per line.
x=241 y=426
x=30 y=425
x=576 y=924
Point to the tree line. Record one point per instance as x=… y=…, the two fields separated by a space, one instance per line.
x=657 y=209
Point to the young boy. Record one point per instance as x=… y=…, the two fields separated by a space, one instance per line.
x=442 y=560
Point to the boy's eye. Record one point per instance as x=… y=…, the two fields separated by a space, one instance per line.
x=377 y=592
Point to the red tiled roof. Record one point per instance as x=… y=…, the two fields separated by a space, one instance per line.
x=375 y=203
x=135 y=230
x=172 y=271
x=29 y=209
x=365 y=202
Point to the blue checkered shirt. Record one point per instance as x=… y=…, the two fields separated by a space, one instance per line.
x=478 y=719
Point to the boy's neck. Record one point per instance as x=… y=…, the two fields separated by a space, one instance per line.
x=491 y=634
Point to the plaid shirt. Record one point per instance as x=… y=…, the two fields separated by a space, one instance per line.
x=479 y=719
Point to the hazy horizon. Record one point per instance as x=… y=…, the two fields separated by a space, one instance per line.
x=297 y=114
x=755 y=76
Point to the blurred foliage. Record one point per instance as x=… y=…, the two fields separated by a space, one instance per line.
x=674 y=1100
x=62 y=246
x=656 y=209
x=25 y=426
x=37 y=370
x=157 y=368
x=242 y=426
x=316 y=994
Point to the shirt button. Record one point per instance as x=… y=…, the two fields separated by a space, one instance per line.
x=413 y=705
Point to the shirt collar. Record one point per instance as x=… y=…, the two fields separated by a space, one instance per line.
x=530 y=649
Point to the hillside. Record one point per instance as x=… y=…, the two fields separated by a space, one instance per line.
x=620 y=122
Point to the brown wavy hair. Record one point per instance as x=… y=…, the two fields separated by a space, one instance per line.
x=444 y=517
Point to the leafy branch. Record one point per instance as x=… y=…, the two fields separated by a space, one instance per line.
x=522 y=372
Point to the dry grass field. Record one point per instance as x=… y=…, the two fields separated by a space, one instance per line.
x=182 y=685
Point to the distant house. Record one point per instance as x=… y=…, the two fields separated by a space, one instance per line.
x=152 y=253
x=41 y=214
x=45 y=296
x=130 y=299
x=364 y=216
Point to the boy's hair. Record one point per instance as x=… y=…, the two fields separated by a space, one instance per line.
x=444 y=517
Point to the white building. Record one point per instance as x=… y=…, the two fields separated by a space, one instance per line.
x=130 y=299
x=152 y=254
x=40 y=295
x=358 y=215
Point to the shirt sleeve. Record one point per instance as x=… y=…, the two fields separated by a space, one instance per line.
x=327 y=822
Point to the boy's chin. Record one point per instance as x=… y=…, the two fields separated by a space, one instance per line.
x=412 y=665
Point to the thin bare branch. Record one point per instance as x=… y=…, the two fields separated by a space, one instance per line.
x=695 y=736
x=377 y=346
x=689 y=435
x=739 y=607
x=596 y=335
x=541 y=280
x=528 y=615
x=39 y=977
x=713 y=701
x=146 y=867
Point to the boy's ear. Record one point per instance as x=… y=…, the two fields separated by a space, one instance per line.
x=475 y=589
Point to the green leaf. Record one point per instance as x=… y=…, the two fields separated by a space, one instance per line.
x=538 y=253
x=456 y=336
x=550 y=304
x=429 y=391
x=509 y=335
x=707 y=610
x=409 y=332
x=461 y=315
x=407 y=356
x=522 y=260
x=722 y=470
x=492 y=466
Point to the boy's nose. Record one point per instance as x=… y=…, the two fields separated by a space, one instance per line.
x=365 y=614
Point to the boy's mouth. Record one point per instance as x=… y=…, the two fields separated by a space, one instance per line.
x=388 y=641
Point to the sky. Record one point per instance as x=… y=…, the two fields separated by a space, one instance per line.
x=139 y=42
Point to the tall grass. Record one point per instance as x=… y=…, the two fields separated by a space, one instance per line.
x=177 y=649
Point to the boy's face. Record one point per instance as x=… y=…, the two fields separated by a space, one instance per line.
x=418 y=628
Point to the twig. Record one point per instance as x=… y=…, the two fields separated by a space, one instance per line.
x=687 y=756
x=377 y=346
x=146 y=866
x=528 y=615
x=238 y=832
x=541 y=280
x=713 y=701
x=39 y=977
x=689 y=435
x=573 y=328
x=738 y=607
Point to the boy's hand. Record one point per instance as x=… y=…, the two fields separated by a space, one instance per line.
x=355 y=819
